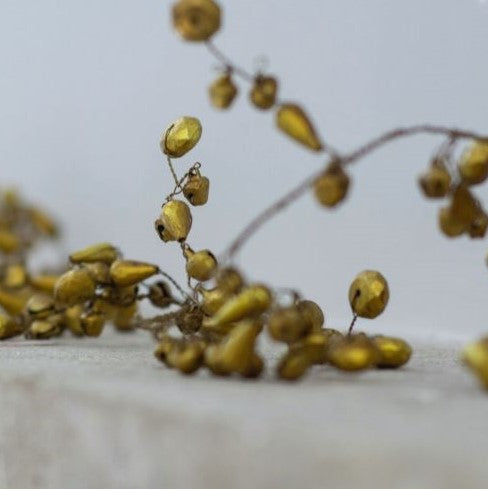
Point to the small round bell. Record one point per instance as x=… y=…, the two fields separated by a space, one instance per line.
x=196 y=20
x=175 y=221
x=369 y=294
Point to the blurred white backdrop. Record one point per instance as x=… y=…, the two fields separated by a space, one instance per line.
x=86 y=88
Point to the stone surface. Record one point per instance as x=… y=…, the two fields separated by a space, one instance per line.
x=102 y=413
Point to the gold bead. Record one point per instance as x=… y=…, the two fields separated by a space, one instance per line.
x=293 y=121
x=288 y=325
x=393 y=352
x=9 y=242
x=187 y=357
x=72 y=319
x=160 y=295
x=473 y=166
x=123 y=317
x=229 y=280
x=464 y=207
x=196 y=20
x=165 y=345
x=43 y=329
x=43 y=223
x=222 y=91
x=436 y=182
x=263 y=92
x=181 y=136
x=189 y=320
x=213 y=299
x=8 y=327
x=100 y=252
x=352 y=353
x=475 y=356
x=44 y=283
x=479 y=226
x=212 y=360
x=448 y=225
x=254 y=368
x=120 y=296
x=100 y=272
x=74 y=287
x=128 y=272
x=332 y=186
x=15 y=276
x=312 y=314
x=293 y=365
x=369 y=294
x=40 y=306
x=92 y=323
x=314 y=346
x=196 y=190
x=12 y=302
x=251 y=301
x=200 y=265
x=175 y=221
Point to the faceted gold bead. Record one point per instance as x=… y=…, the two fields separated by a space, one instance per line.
x=222 y=91
x=181 y=136
x=12 y=302
x=8 y=327
x=293 y=121
x=312 y=314
x=196 y=20
x=92 y=323
x=9 y=242
x=475 y=356
x=332 y=186
x=352 y=353
x=44 y=283
x=160 y=295
x=213 y=299
x=123 y=317
x=72 y=319
x=369 y=294
x=293 y=365
x=196 y=190
x=43 y=223
x=175 y=221
x=189 y=320
x=229 y=280
x=237 y=350
x=448 y=225
x=436 y=182
x=128 y=272
x=393 y=352
x=100 y=252
x=74 y=287
x=15 y=276
x=288 y=325
x=99 y=271
x=200 y=265
x=263 y=92
x=40 y=306
x=473 y=166
x=251 y=301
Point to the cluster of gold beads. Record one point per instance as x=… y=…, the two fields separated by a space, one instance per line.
x=464 y=214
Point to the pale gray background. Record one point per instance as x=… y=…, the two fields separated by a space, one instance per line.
x=86 y=87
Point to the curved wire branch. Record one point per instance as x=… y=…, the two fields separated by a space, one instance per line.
x=355 y=155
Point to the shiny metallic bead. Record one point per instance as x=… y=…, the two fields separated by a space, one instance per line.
x=163 y=348
x=312 y=314
x=15 y=276
x=314 y=346
x=393 y=352
x=223 y=91
x=186 y=356
x=332 y=186
x=160 y=295
x=292 y=120
x=43 y=329
x=100 y=252
x=473 y=166
x=120 y=296
x=196 y=20
x=13 y=302
x=196 y=190
x=436 y=182
x=181 y=136
x=44 y=283
x=40 y=306
x=9 y=242
x=250 y=302
x=369 y=294
x=189 y=320
x=123 y=317
x=464 y=207
x=92 y=323
x=254 y=368
x=175 y=221
x=263 y=92
x=74 y=287
x=9 y=327
x=293 y=365
x=288 y=324
x=229 y=280
x=200 y=265
x=449 y=226
x=213 y=299
x=100 y=272
x=72 y=319
x=129 y=272
x=352 y=353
